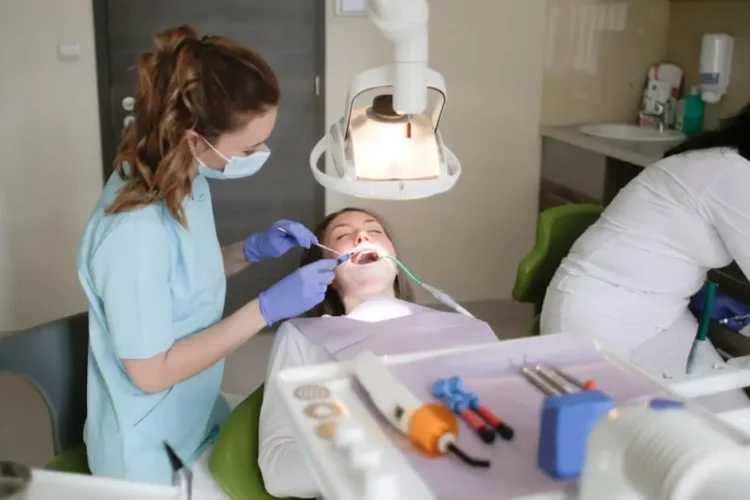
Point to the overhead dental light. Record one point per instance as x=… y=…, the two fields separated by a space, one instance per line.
x=388 y=146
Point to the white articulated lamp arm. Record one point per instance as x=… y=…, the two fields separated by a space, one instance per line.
x=404 y=22
x=418 y=164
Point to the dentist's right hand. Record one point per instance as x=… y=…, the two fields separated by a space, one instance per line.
x=298 y=292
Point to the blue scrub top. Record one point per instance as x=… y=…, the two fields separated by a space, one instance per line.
x=149 y=282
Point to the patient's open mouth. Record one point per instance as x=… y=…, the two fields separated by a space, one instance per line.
x=364 y=257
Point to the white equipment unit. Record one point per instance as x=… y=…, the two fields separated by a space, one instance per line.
x=640 y=451
x=46 y=485
x=388 y=146
x=644 y=454
x=18 y=482
x=715 y=65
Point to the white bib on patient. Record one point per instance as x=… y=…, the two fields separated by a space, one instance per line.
x=392 y=326
x=380 y=309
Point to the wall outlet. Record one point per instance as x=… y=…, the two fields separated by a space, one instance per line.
x=351 y=7
x=68 y=52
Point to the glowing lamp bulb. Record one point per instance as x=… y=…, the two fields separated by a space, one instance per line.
x=389 y=146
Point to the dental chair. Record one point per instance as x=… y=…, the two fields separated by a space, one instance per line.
x=234 y=461
x=52 y=357
x=556 y=231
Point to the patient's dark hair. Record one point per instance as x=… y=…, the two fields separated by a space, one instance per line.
x=332 y=304
x=734 y=133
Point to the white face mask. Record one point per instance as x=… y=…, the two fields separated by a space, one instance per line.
x=236 y=166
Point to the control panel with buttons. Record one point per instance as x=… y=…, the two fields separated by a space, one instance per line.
x=342 y=434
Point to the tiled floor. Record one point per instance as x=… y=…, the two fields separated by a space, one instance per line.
x=25 y=434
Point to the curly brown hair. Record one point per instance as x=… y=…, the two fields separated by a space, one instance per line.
x=332 y=303
x=209 y=85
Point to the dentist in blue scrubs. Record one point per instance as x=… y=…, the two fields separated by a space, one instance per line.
x=151 y=265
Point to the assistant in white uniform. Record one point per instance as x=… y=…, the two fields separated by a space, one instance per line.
x=628 y=280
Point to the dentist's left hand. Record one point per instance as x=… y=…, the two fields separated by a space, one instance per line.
x=274 y=243
x=297 y=293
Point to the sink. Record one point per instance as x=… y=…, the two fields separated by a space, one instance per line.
x=628 y=132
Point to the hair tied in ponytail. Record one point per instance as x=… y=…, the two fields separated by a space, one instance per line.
x=184 y=86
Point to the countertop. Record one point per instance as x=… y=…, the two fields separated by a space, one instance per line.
x=635 y=152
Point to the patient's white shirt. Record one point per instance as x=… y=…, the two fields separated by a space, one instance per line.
x=284 y=470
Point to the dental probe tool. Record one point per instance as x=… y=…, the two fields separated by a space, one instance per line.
x=431 y=428
x=316 y=244
x=440 y=295
x=559 y=384
x=584 y=385
x=539 y=382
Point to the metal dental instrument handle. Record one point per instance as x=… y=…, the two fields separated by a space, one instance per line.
x=538 y=382
x=587 y=385
x=182 y=476
x=559 y=385
x=316 y=244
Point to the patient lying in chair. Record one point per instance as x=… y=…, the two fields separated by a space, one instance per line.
x=368 y=306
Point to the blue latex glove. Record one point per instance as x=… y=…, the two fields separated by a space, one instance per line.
x=274 y=243
x=297 y=293
x=724 y=307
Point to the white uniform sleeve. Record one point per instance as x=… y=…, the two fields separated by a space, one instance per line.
x=727 y=202
x=285 y=473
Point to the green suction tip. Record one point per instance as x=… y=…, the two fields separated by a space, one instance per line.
x=708 y=307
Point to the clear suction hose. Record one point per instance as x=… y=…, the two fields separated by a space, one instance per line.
x=440 y=295
x=445 y=299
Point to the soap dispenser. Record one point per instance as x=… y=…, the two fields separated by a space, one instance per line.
x=690 y=112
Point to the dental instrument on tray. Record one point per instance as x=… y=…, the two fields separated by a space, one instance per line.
x=504 y=430
x=454 y=387
x=567 y=419
x=539 y=382
x=430 y=428
x=459 y=404
x=701 y=352
x=584 y=385
x=440 y=295
x=552 y=380
x=560 y=385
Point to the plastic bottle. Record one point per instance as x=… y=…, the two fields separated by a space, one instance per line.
x=690 y=112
